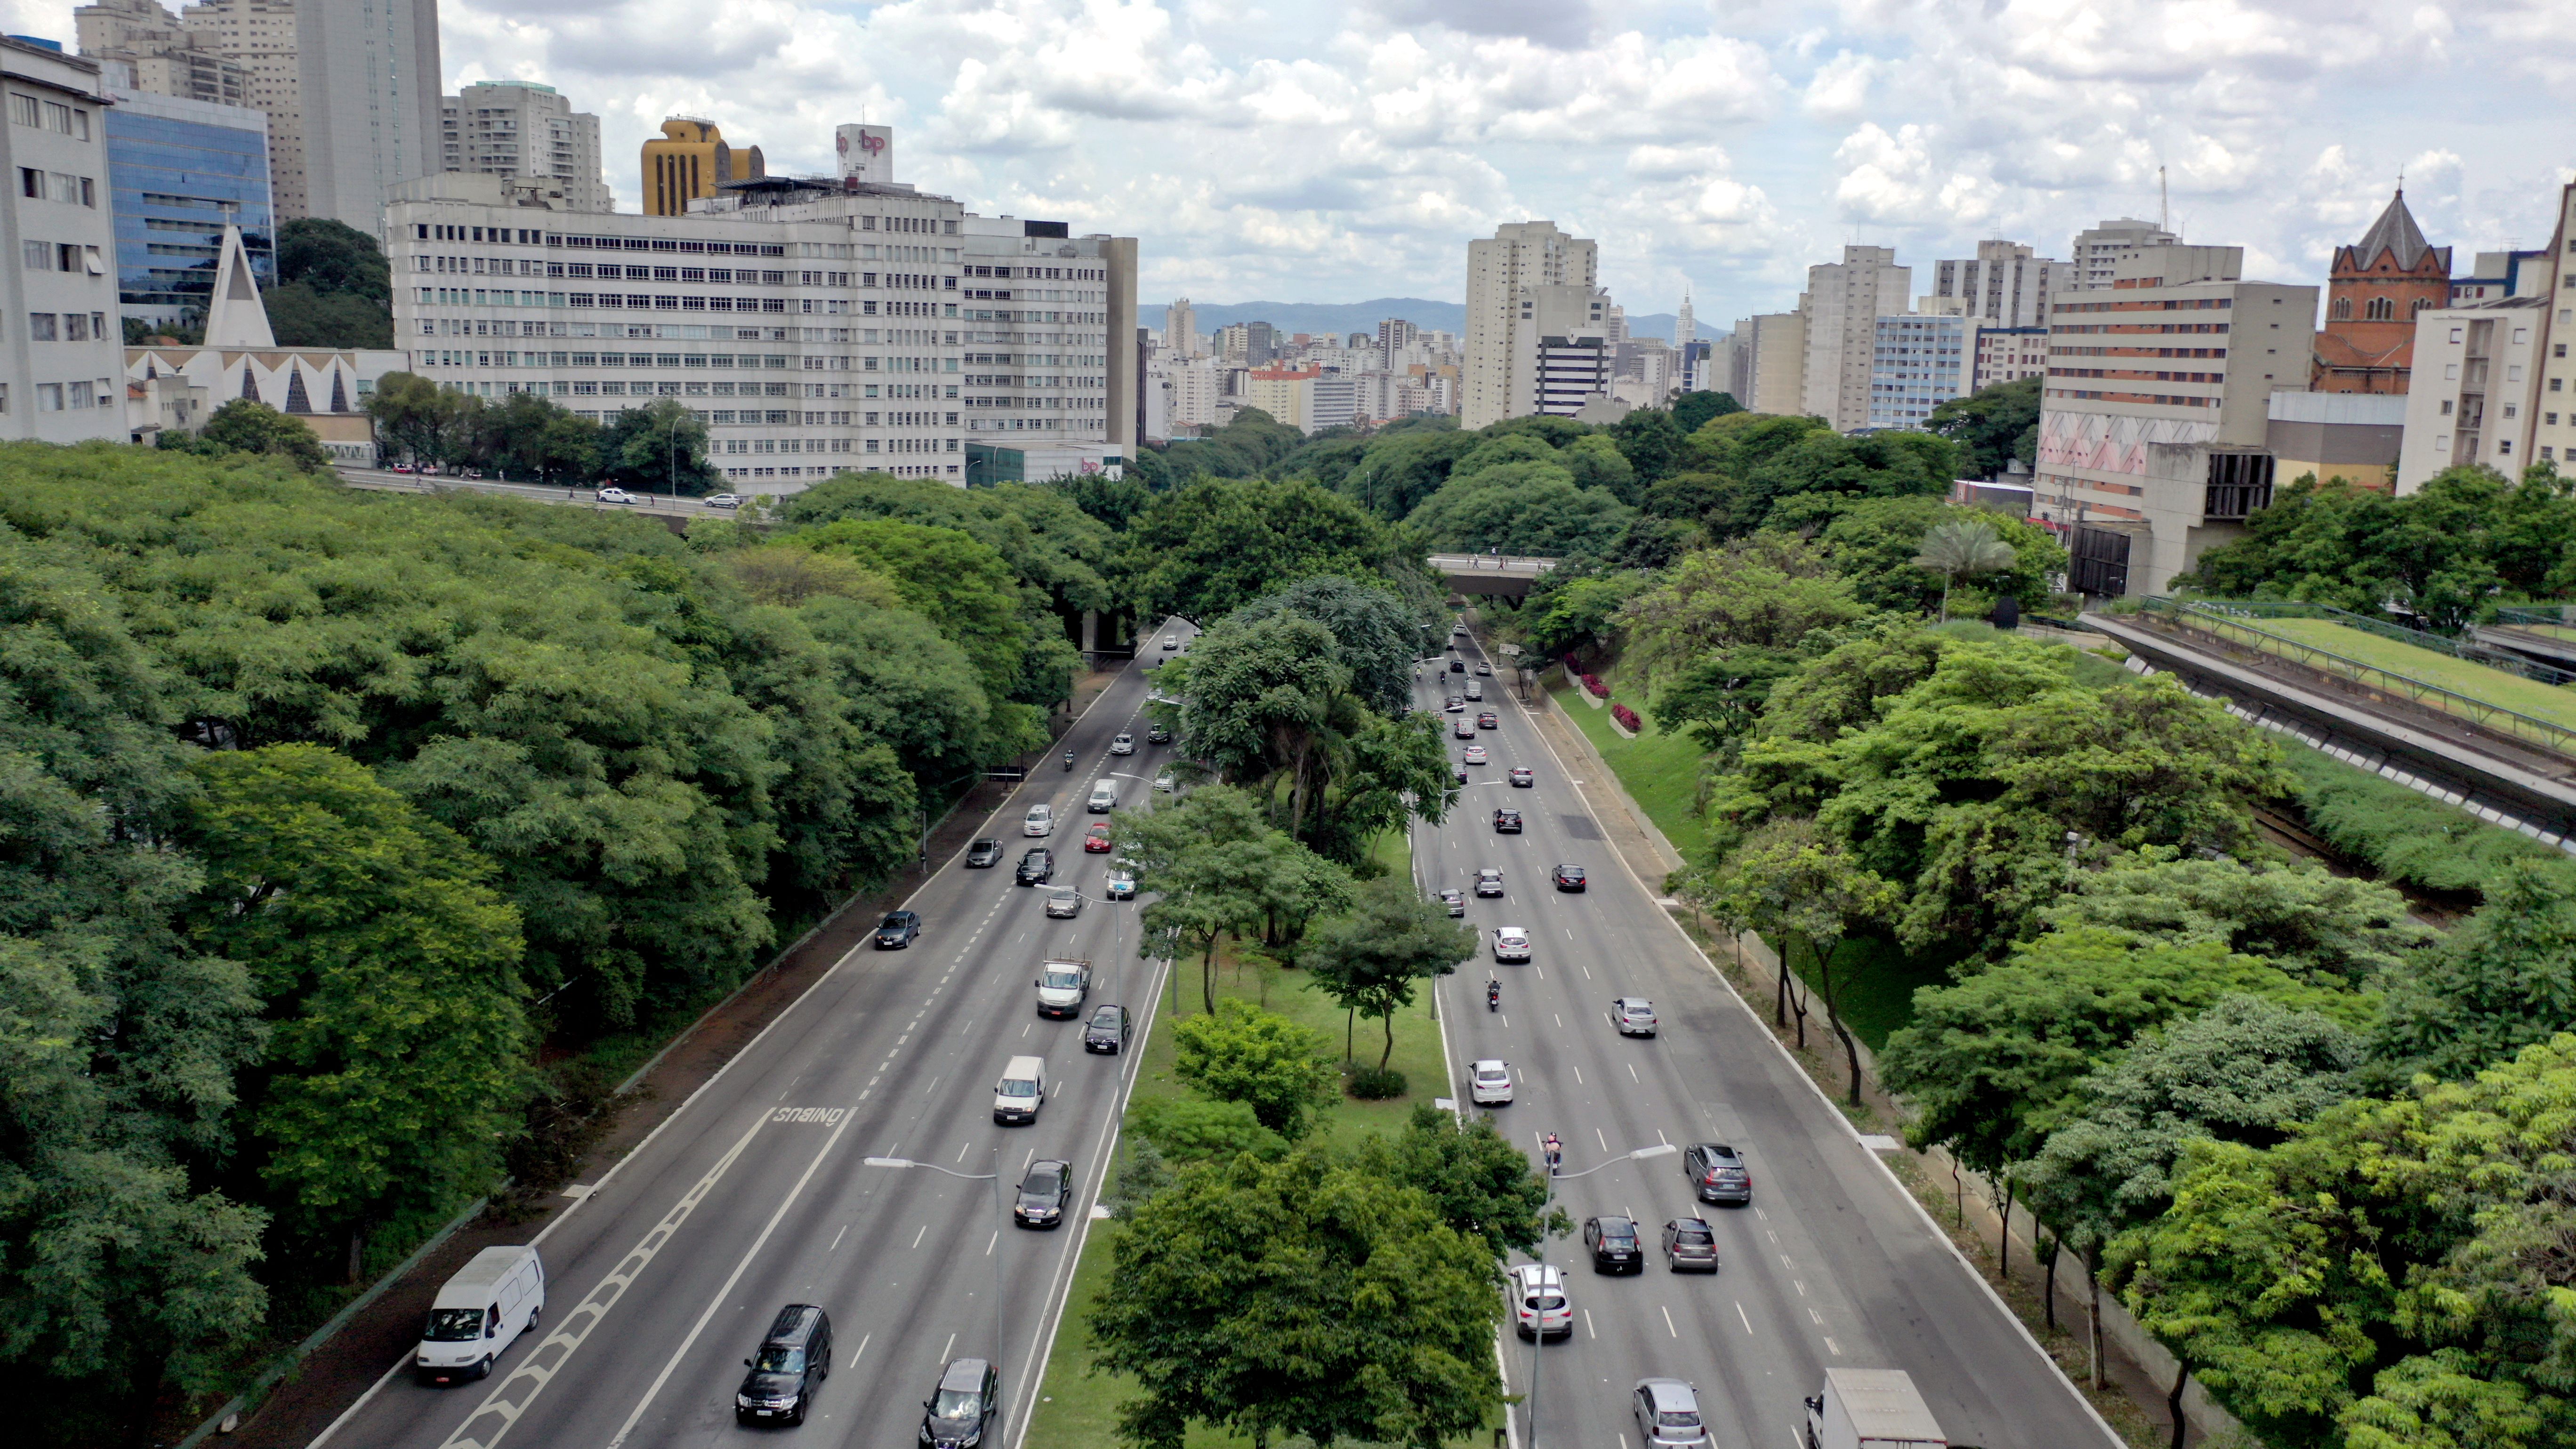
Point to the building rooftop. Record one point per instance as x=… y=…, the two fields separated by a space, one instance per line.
x=2395 y=232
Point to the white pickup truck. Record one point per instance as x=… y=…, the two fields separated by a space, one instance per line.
x=1061 y=987
x=1871 y=1409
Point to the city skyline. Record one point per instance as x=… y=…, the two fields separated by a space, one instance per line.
x=1346 y=152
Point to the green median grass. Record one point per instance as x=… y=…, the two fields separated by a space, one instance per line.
x=1078 y=1408
x=2548 y=702
x=1660 y=771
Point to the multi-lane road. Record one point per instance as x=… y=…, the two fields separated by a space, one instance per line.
x=755 y=1193
x=1831 y=1266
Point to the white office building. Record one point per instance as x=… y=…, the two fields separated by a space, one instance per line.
x=61 y=345
x=1507 y=275
x=816 y=325
x=522 y=129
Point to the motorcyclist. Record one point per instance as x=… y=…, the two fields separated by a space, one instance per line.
x=1068 y=759
x=1493 y=993
x=1555 y=1152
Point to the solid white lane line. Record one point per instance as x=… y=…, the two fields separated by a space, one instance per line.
x=731 y=1279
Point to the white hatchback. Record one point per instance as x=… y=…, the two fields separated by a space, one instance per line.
x=1040 y=821
x=1511 y=943
x=1489 y=1082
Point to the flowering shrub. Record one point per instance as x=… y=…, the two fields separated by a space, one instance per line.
x=1571 y=667
x=1599 y=690
x=1627 y=718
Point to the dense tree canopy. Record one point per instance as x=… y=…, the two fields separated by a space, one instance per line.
x=1210 y=548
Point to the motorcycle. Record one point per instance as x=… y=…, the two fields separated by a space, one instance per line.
x=1493 y=996
x=1555 y=1155
x=1068 y=759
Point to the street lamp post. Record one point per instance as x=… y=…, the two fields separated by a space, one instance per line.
x=1538 y=1335
x=671 y=452
x=994 y=1177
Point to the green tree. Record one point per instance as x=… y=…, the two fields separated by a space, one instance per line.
x=1522 y=508
x=1299 y=1298
x=1369 y=960
x=415 y=417
x=1651 y=440
x=1576 y=606
x=660 y=447
x=388 y=967
x=1807 y=483
x=1210 y=548
x=1993 y=426
x=1769 y=591
x=2320 y=927
x=245 y=426
x=947 y=576
x=1693 y=411
x=300 y=315
x=1374 y=635
x=1962 y=550
x=333 y=256
x=1478 y=1180
x=1873 y=543
x=2498 y=984
x=1597 y=462
x=1186 y=1129
x=535 y=438
x=1240 y=1053
x=1790 y=882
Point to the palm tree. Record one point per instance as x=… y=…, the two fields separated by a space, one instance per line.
x=1960 y=550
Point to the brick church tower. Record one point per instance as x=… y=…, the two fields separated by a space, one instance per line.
x=2377 y=286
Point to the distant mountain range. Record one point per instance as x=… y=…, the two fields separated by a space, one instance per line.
x=1348 y=317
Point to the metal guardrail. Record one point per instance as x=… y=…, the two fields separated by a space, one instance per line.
x=2468 y=650
x=2226 y=623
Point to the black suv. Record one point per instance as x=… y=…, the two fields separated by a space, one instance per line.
x=1613 y=1244
x=983 y=854
x=1037 y=867
x=1717 y=1173
x=1107 y=1031
x=1046 y=1194
x=962 y=1411
x=896 y=931
x=1507 y=822
x=795 y=1356
x=1159 y=735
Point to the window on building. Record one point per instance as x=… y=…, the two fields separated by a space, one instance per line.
x=75 y=327
x=25 y=110
x=49 y=397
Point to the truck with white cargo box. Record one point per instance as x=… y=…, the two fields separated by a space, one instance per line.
x=1871 y=1409
x=1062 y=984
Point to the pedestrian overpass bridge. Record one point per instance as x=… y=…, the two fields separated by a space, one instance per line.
x=1505 y=578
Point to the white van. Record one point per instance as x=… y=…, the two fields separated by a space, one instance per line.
x=1104 y=797
x=1022 y=1090
x=1040 y=821
x=479 y=1313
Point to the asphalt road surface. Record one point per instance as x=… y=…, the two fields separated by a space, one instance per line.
x=754 y=1194
x=1831 y=1266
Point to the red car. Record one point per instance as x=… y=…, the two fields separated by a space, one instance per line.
x=1096 y=840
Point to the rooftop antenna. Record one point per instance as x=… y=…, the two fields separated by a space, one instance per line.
x=2164 y=203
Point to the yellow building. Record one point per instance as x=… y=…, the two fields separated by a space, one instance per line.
x=690 y=160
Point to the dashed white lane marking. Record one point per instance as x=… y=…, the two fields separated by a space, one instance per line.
x=1740 y=1316
x=917 y=1237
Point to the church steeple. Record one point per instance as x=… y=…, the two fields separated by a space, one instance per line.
x=234 y=316
x=2374 y=290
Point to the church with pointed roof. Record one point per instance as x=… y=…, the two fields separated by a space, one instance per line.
x=2373 y=292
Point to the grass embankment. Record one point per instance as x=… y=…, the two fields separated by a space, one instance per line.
x=1660 y=771
x=2404 y=835
x=1077 y=1408
x=2549 y=702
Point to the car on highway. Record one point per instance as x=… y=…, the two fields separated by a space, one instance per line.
x=1460 y=771
x=960 y=1412
x=1634 y=1014
x=1475 y=692
x=1124 y=744
x=1507 y=821
x=402 y=467
x=1522 y=777
x=1488 y=720
x=1171 y=642
x=1457 y=666
x=1690 y=1246
x=1158 y=735
x=1667 y=1413
x=1474 y=754
x=1568 y=877
x=1452 y=704
x=1163 y=783
x=725 y=500
x=1456 y=900
x=1511 y=944
x=1489 y=1082
x=1095 y=841
x=897 y=930
x=1612 y=1242
x=1037 y=867
x=1489 y=882
x=614 y=495
x=983 y=854
x=1717 y=1173
x=1106 y=1032
x=1457 y=631
x=1063 y=905
x=1040 y=821
x=1046 y=1194
x=794 y=1357
x=1462 y=728
x=1539 y=1304
x=1484 y=668
x=1062 y=985
x=1122 y=885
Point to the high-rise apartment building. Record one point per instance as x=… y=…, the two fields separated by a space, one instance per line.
x=163 y=57
x=1842 y=305
x=2154 y=418
x=1189 y=389
x=1504 y=273
x=180 y=172
x=352 y=90
x=2099 y=252
x=1685 y=326
x=1916 y=364
x=61 y=348
x=525 y=130
x=1767 y=370
x=2003 y=285
x=1181 y=330
x=817 y=326
x=2009 y=354
x=689 y=162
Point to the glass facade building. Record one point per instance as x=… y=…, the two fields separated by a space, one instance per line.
x=179 y=169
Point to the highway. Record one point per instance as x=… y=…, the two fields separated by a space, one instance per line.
x=1831 y=1266
x=389 y=481
x=754 y=1193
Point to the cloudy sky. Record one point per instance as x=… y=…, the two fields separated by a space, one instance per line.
x=1336 y=150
